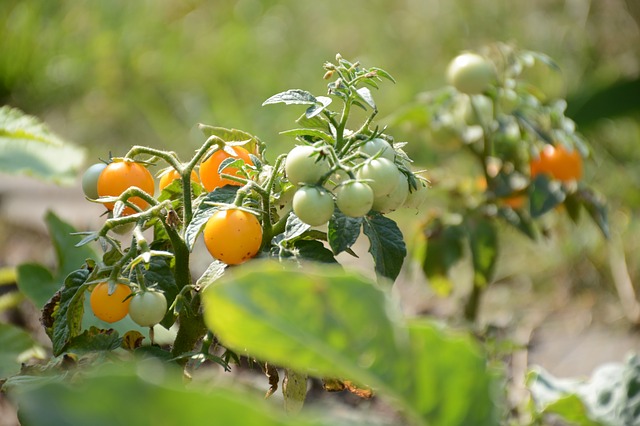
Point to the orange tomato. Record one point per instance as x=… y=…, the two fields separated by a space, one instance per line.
x=119 y=176
x=171 y=175
x=110 y=308
x=209 y=168
x=233 y=236
x=558 y=163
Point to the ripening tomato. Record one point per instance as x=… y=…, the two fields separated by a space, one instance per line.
x=209 y=175
x=148 y=308
x=90 y=180
x=167 y=178
x=110 y=307
x=557 y=162
x=119 y=176
x=233 y=236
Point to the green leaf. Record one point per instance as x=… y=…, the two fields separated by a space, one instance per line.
x=214 y=271
x=35 y=281
x=226 y=194
x=312 y=133
x=27 y=146
x=544 y=195
x=344 y=326
x=445 y=248
x=338 y=327
x=159 y=273
x=343 y=231
x=365 y=94
x=314 y=250
x=382 y=73
x=248 y=141
x=451 y=385
x=597 y=209
x=313 y=110
x=483 y=240
x=520 y=220
x=146 y=393
x=387 y=245
x=15 y=343
x=292 y=97
x=294 y=228
x=94 y=340
x=66 y=311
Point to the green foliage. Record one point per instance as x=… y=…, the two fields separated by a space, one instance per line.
x=17 y=347
x=333 y=323
x=27 y=146
x=37 y=282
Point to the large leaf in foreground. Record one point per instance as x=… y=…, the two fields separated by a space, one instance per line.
x=327 y=322
x=27 y=146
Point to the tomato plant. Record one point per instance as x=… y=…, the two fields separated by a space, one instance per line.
x=119 y=176
x=147 y=308
x=110 y=306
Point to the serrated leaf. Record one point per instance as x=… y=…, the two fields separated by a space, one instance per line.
x=214 y=271
x=94 y=339
x=294 y=228
x=365 y=94
x=386 y=245
x=544 y=195
x=314 y=250
x=316 y=122
x=318 y=134
x=225 y=194
x=15 y=342
x=343 y=231
x=27 y=146
x=247 y=140
x=292 y=97
x=345 y=326
x=68 y=311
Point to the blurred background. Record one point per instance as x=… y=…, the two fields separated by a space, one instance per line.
x=108 y=75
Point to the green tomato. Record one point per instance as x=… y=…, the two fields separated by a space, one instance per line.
x=313 y=205
x=354 y=198
x=416 y=197
x=303 y=167
x=395 y=199
x=482 y=114
x=148 y=308
x=376 y=145
x=90 y=180
x=380 y=174
x=470 y=73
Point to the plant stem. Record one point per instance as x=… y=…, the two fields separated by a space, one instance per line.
x=473 y=303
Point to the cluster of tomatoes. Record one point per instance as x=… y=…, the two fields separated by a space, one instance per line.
x=148 y=307
x=475 y=77
x=371 y=180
